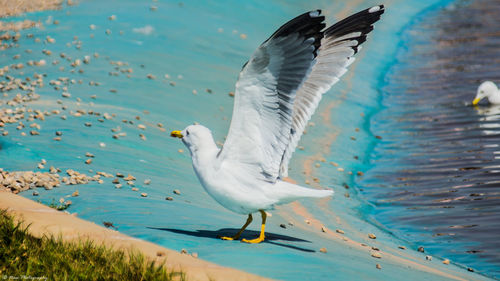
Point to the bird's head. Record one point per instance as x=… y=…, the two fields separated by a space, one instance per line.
x=195 y=137
x=486 y=89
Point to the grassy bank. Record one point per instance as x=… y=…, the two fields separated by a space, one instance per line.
x=49 y=258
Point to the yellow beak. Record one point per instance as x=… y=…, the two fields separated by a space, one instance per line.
x=176 y=134
x=476 y=101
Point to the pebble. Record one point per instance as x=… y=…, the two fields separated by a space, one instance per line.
x=184 y=251
x=129 y=178
x=372 y=236
x=323 y=228
x=88 y=154
x=323 y=250
x=75 y=194
x=339 y=231
x=421 y=249
x=376 y=255
x=112 y=17
x=429 y=258
x=446 y=261
x=35 y=193
x=147 y=181
x=378 y=266
x=135 y=189
x=283 y=225
x=24 y=180
x=115 y=181
x=194 y=255
x=118 y=185
x=169 y=198
x=160 y=253
x=176 y=191
x=88 y=161
x=144 y=194
x=59 y=133
x=402 y=247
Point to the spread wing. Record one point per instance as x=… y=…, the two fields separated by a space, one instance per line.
x=264 y=97
x=280 y=87
x=340 y=43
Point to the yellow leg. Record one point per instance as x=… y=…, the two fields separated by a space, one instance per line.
x=237 y=235
x=262 y=230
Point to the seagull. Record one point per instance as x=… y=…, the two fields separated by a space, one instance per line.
x=488 y=90
x=277 y=92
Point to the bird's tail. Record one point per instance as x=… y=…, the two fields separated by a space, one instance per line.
x=287 y=192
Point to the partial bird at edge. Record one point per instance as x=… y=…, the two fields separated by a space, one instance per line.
x=487 y=90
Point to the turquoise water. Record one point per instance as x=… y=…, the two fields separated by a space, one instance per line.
x=199 y=47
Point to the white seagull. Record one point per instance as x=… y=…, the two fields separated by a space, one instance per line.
x=488 y=90
x=277 y=91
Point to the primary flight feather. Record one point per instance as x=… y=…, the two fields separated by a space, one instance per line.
x=276 y=94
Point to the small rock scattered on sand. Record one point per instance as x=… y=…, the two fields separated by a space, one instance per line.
x=323 y=250
x=372 y=236
x=446 y=261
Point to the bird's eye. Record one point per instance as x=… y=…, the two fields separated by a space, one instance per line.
x=187 y=133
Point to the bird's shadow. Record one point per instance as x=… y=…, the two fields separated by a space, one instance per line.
x=271 y=238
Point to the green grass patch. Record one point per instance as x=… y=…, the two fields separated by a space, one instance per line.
x=48 y=258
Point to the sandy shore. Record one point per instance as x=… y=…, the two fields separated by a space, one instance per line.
x=47 y=221
x=16 y=7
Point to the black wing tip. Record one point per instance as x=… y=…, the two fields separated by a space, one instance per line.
x=308 y=25
x=359 y=22
x=309 y=22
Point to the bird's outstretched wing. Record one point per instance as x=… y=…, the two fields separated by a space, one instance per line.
x=265 y=93
x=340 y=43
x=279 y=88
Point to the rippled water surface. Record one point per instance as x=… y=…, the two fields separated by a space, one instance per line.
x=436 y=175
